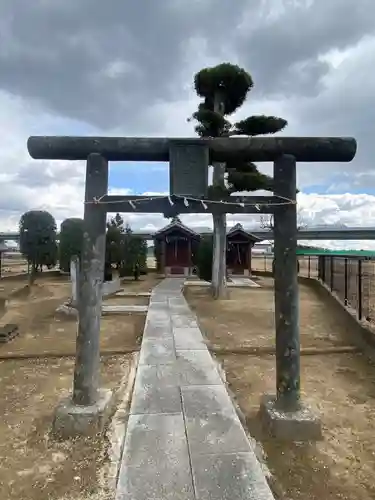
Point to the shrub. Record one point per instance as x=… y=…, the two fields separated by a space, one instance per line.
x=204 y=258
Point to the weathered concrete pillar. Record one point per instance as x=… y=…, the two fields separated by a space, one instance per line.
x=219 y=268
x=74 y=279
x=219 y=258
x=286 y=287
x=86 y=373
x=285 y=415
x=87 y=411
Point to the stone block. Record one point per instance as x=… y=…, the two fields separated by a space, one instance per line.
x=155 y=463
x=155 y=307
x=156 y=352
x=188 y=338
x=122 y=293
x=299 y=425
x=205 y=400
x=152 y=331
x=177 y=301
x=158 y=318
x=123 y=309
x=72 y=420
x=219 y=432
x=155 y=398
x=236 y=476
x=183 y=321
x=157 y=375
x=212 y=423
x=196 y=368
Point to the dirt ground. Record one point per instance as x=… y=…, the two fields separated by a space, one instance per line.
x=339 y=387
x=247 y=318
x=34 y=466
x=13 y=265
x=43 y=331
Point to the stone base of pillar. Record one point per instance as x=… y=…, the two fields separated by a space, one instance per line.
x=73 y=420
x=299 y=425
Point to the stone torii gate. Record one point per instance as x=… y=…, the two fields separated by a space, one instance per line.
x=85 y=411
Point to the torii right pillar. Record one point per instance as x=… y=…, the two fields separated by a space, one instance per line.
x=285 y=415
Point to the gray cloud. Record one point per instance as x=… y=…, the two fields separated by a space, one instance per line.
x=106 y=64
x=283 y=51
x=41 y=174
x=102 y=63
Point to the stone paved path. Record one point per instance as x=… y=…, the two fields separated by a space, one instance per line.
x=184 y=440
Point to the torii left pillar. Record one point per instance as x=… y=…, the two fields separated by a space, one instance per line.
x=86 y=412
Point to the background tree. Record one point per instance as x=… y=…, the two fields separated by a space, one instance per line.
x=71 y=238
x=114 y=239
x=141 y=251
x=224 y=89
x=127 y=252
x=38 y=239
x=133 y=250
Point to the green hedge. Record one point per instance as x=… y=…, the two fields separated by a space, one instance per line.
x=204 y=258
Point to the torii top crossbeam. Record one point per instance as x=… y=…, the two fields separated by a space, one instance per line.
x=221 y=149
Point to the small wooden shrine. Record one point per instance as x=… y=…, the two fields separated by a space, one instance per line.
x=176 y=244
x=239 y=246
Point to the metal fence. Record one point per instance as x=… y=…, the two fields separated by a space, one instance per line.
x=352 y=279
x=308 y=265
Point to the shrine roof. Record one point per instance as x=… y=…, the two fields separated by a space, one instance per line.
x=238 y=229
x=175 y=225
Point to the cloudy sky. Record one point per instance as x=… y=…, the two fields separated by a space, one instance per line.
x=125 y=67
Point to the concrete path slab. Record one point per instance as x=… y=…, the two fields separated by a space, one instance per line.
x=155 y=463
x=235 y=476
x=184 y=439
x=188 y=338
x=152 y=399
x=157 y=351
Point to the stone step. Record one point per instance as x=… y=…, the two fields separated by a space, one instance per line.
x=123 y=309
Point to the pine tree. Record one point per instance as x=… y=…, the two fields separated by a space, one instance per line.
x=224 y=89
